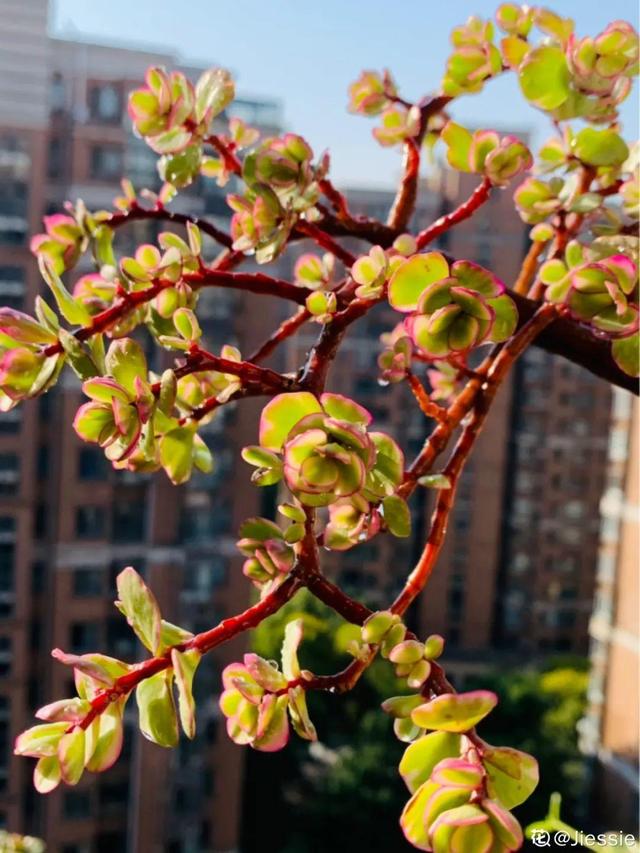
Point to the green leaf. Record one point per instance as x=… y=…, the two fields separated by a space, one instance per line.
x=260 y=529
x=512 y=775
x=101 y=668
x=626 y=353
x=125 y=361
x=345 y=409
x=214 y=91
x=78 y=355
x=71 y=756
x=282 y=413
x=458 y=140
x=139 y=605
x=412 y=278
x=292 y=638
x=202 y=456
x=184 y=667
x=424 y=807
x=46 y=774
x=545 y=78
x=47 y=316
x=71 y=309
x=435 y=481
x=172 y=635
x=170 y=141
x=41 y=740
x=299 y=714
x=600 y=147
x=506 y=317
x=108 y=735
x=158 y=721
x=176 y=454
x=187 y=324
x=421 y=757
x=24 y=329
x=455 y=712
x=397 y=515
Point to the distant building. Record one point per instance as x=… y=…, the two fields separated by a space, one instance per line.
x=68 y=523
x=610 y=730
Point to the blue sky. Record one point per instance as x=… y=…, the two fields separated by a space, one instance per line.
x=306 y=52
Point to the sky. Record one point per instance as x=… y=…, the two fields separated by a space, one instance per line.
x=306 y=52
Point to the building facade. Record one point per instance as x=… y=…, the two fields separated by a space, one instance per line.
x=68 y=523
x=610 y=730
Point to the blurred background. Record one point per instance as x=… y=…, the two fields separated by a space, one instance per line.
x=536 y=590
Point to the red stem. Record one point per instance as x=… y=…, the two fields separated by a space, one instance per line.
x=477 y=198
x=325 y=241
x=204 y=642
x=136 y=212
x=231 y=162
x=405 y=200
x=285 y=330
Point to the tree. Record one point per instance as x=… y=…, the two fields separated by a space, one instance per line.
x=343 y=482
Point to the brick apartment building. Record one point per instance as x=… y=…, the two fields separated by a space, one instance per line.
x=68 y=523
x=516 y=577
x=610 y=730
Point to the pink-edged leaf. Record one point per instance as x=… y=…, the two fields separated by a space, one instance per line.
x=139 y=606
x=100 y=668
x=282 y=413
x=69 y=710
x=455 y=712
x=41 y=740
x=424 y=754
x=412 y=277
x=264 y=673
x=344 y=409
x=276 y=735
x=107 y=733
x=71 y=756
x=46 y=774
x=184 y=667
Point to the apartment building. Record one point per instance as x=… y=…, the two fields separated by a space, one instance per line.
x=68 y=523
x=609 y=731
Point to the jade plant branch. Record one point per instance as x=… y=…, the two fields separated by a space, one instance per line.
x=345 y=482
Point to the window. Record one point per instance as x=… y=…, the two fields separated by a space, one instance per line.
x=88 y=582
x=42 y=462
x=106 y=162
x=114 y=794
x=7 y=528
x=120 y=638
x=7 y=557
x=85 y=637
x=41 y=520
x=92 y=464
x=12 y=285
x=90 y=522
x=38 y=577
x=56 y=159
x=203 y=576
x=4 y=752
x=5 y=656
x=9 y=473
x=129 y=519
x=13 y=212
x=57 y=95
x=77 y=804
x=105 y=103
